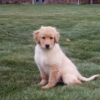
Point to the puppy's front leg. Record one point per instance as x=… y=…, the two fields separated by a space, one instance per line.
x=53 y=77
x=43 y=79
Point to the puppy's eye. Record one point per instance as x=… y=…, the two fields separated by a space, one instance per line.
x=43 y=37
x=51 y=38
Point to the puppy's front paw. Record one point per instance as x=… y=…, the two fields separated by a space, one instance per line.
x=46 y=87
x=43 y=82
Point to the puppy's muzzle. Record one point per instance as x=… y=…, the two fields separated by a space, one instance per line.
x=47 y=46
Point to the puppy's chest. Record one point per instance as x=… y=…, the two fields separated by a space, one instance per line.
x=45 y=61
x=47 y=58
x=44 y=64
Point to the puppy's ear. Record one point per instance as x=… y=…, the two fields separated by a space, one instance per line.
x=57 y=36
x=36 y=36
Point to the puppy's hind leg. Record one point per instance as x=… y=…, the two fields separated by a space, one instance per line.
x=71 y=80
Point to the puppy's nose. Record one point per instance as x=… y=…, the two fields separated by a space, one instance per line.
x=47 y=46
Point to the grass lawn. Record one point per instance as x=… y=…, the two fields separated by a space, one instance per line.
x=18 y=73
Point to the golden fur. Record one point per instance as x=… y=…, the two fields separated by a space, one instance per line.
x=52 y=62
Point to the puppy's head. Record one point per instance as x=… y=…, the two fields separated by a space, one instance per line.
x=46 y=37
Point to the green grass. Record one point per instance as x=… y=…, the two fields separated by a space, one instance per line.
x=18 y=73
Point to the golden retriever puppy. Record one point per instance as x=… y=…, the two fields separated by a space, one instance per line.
x=52 y=62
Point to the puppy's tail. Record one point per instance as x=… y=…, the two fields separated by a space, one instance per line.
x=84 y=79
